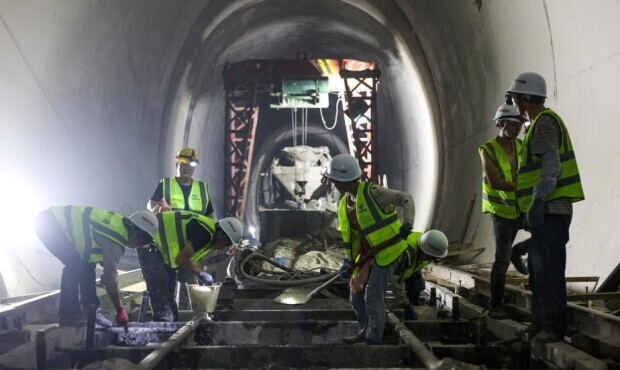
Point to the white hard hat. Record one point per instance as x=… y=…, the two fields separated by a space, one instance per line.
x=233 y=228
x=146 y=221
x=529 y=83
x=434 y=243
x=509 y=113
x=343 y=168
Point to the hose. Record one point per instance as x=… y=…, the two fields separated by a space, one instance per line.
x=290 y=277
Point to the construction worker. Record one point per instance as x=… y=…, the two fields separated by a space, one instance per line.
x=184 y=237
x=499 y=174
x=369 y=225
x=182 y=193
x=407 y=282
x=81 y=237
x=548 y=183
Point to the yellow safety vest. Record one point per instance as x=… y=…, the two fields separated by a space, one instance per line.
x=198 y=196
x=569 y=182
x=499 y=202
x=412 y=265
x=81 y=224
x=376 y=226
x=172 y=236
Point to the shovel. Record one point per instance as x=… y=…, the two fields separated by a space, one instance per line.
x=295 y=296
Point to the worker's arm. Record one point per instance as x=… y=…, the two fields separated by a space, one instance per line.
x=157 y=203
x=185 y=259
x=389 y=198
x=545 y=143
x=493 y=174
x=112 y=254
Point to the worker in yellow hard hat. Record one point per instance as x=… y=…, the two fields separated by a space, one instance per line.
x=181 y=193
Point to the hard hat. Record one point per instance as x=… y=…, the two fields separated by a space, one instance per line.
x=434 y=243
x=509 y=113
x=145 y=221
x=233 y=228
x=343 y=168
x=188 y=155
x=529 y=83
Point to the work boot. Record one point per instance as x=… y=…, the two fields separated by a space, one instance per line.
x=497 y=312
x=530 y=330
x=102 y=321
x=546 y=336
x=357 y=338
x=518 y=263
x=409 y=313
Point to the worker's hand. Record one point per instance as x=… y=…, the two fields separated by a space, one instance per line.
x=345 y=269
x=206 y=278
x=232 y=250
x=535 y=214
x=121 y=318
x=163 y=206
x=405 y=230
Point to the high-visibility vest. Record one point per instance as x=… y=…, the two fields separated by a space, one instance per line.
x=198 y=200
x=499 y=202
x=569 y=182
x=412 y=265
x=81 y=224
x=172 y=236
x=377 y=227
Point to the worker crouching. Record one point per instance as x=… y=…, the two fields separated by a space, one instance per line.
x=183 y=238
x=81 y=237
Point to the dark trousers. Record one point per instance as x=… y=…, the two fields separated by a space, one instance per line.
x=414 y=286
x=505 y=231
x=547 y=265
x=78 y=278
x=161 y=283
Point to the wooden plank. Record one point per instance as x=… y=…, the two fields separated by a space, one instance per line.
x=479 y=250
x=569 y=279
x=593 y=296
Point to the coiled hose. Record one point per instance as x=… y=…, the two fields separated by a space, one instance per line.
x=288 y=277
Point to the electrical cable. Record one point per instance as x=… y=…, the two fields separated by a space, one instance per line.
x=335 y=116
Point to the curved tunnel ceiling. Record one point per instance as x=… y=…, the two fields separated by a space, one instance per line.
x=97 y=93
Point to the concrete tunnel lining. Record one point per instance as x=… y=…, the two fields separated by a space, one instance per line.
x=407 y=142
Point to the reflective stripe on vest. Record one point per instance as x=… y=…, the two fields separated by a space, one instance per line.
x=568 y=184
x=81 y=223
x=198 y=200
x=172 y=236
x=499 y=202
x=377 y=227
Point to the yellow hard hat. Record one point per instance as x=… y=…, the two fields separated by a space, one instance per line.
x=188 y=155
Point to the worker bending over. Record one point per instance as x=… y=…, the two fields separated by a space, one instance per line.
x=369 y=226
x=81 y=237
x=182 y=193
x=407 y=282
x=183 y=238
x=499 y=173
x=547 y=186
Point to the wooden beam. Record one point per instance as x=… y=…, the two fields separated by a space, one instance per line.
x=593 y=296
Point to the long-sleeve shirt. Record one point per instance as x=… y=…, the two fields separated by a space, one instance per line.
x=112 y=253
x=389 y=198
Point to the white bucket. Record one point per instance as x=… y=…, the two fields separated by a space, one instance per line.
x=203 y=298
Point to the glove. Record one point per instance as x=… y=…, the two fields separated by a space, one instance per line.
x=536 y=214
x=345 y=269
x=121 y=318
x=405 y=230
x=206 y=278
x=410 y=313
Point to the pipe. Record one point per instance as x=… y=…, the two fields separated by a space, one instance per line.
x=90 y=326
x=155 y=357
x=418 y=348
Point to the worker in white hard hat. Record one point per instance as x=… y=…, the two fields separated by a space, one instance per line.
x=548 y=183
x=407 y=282
x=369 y=225
x=182 y=193
x=184 y=238
x=81 y=237
x=499 y=157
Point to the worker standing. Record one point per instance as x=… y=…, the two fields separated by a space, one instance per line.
x=182 y=193
x=184 y=237
x=369 y=225
x=548 y=184
x=81 y=237
x=407 y=282
x=499 y=158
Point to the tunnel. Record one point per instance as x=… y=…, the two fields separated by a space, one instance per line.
x=97 y=97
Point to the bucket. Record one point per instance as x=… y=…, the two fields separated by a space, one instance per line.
x=203 y=298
